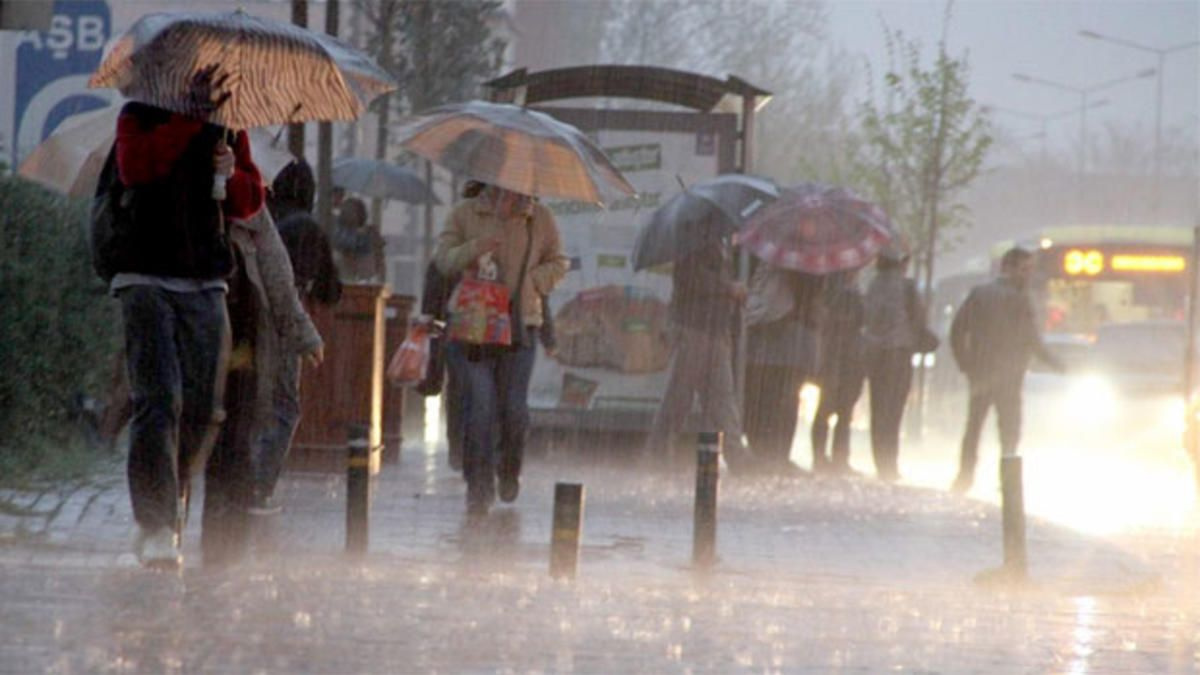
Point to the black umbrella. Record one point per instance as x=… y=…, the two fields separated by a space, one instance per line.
x=702 y=212
x=384 y=180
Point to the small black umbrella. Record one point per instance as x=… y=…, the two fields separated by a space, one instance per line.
x=384 y=180
x=702 y=212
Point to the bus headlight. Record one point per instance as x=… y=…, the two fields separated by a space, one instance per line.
x=1091 y=400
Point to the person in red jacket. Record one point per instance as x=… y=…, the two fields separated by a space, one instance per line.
x=171 y=259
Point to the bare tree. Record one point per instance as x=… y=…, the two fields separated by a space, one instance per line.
x=779 y=45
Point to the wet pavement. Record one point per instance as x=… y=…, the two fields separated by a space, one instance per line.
x=815 y=575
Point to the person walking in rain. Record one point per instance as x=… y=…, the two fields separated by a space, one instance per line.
x=893 y=320
x=314 y=278
x=705 y=303
x=840 y=374
x=521 y=237
x=171 y=260
x=271 y=333
x=993 y=336
x=783 y=319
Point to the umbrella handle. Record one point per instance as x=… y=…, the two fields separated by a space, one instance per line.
x=218 y=187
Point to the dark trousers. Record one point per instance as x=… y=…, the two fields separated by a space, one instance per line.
x=889 y=372
x=456 y=428
x=772 y=410
x=1006 y=397
x=495 y=388
x=839 y=394
x=272 y=447
x=229 y=480
x=176 y=345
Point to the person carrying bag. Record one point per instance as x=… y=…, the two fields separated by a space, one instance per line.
x=507 y=248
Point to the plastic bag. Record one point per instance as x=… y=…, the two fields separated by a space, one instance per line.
x=408 y=364
x=479 y=313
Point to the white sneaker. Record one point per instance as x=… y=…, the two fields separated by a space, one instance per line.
x=158 y=549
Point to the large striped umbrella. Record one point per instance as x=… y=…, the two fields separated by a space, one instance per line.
x=270 y=72
x=515 y=148
x=817 y=229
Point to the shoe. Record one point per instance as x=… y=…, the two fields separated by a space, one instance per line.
x=509 y=487
x=158 y=549
x=477 y=510
x=264 y=505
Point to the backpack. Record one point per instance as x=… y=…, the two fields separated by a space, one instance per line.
x=108 y=217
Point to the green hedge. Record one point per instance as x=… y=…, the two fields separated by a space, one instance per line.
x=58 y=327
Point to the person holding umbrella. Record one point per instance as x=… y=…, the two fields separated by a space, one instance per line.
x=705 y=304
x=811 y=231
x=181 y=172
x=170 y=267
x=840 y=374
x=519 y=236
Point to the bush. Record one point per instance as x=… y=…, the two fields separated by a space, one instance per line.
x=58 y=327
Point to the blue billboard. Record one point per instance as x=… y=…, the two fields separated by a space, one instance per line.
x=52 y=70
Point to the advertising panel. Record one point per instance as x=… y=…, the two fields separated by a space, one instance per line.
x=613 y=343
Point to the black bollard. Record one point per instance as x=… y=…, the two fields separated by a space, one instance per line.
x=1012 y=495
x=565 y=537
x=704 y=529
x=358 y=489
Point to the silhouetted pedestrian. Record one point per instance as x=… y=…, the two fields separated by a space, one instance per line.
x=840 y=374
x=892 y=321
x=171 y=258
x=993 y=336
x=783 y=318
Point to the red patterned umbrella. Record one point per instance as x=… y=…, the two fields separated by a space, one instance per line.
x=817 y=229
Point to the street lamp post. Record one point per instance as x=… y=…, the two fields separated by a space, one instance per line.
x=1161 y=52
x=1083 y=93
x=1043 y=119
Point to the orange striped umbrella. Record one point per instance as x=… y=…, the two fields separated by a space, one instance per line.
x=515 y=148
x=268 y=72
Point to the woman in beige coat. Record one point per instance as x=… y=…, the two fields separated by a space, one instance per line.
x=520 y=239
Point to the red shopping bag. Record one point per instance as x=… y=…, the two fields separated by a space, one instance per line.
x=479 y=313
x=411 y=359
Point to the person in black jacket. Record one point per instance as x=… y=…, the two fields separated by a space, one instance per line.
x=993 y=336
x=169 y=261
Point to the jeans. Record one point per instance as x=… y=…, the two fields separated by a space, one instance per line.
x=889 y=372
x=273 y=444
x=177 y=346
x=1006 y=397
x=495 y=386
x=456 y=414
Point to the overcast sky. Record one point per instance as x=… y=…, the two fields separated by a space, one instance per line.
x=1041 y=39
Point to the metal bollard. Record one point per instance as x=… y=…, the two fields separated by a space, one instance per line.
x=358 y=489
x=1012 y=495
x=565 y=537
x=704 y=528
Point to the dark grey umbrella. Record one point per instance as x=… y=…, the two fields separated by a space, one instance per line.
x=375 y=178
x=702 y=212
